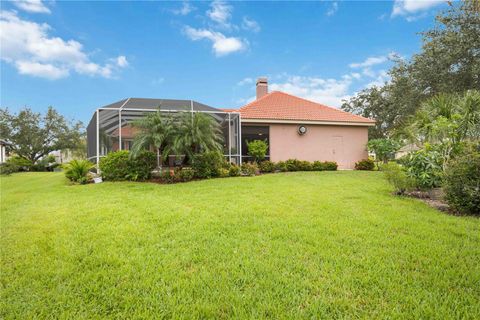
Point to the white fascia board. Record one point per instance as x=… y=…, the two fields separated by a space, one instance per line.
x=330 y=123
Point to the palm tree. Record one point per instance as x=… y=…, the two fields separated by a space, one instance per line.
x=469 y=104
x=156 y=130
x=197 y=132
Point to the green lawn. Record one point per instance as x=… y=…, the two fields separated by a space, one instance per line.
x=293 y=245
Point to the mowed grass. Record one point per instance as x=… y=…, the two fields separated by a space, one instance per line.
x=292 y=245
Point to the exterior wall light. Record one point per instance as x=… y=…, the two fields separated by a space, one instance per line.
x=302 y=130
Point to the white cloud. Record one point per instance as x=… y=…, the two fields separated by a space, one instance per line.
x=370 y=61
x=330 y=92
x=33 y=6
x=122 y=61
x=221 y=44
x=333 y=9
x=406 y=7
x=29 y=47
x=37 y=69
x=250 y=24
x=185 y=9
x=220 y=12
x=245 y=81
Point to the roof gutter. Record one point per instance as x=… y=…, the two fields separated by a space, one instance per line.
x=332 y=123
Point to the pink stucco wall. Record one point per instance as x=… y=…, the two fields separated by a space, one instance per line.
x=343 y=144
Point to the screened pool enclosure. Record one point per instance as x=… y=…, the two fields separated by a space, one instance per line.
x=110 y=128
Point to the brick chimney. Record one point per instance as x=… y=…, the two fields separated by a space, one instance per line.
x=262 y=87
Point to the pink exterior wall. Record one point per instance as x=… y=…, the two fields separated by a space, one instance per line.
x=343 y=144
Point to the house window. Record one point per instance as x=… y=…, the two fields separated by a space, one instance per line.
x=250 y=133
x=127 y=144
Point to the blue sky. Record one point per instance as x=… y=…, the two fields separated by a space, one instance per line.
x=77 y=56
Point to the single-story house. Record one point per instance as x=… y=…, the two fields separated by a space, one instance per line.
x=298 y=128
x=4 y=152
x=292 y=126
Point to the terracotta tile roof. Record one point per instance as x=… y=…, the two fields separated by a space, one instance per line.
x=128 y=132
x=282 y=106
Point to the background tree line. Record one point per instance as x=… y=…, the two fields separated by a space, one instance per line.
x=448 y=62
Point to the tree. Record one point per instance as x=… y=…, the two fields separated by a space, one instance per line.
x=257 y=149
x=33 y=135
x=155 y=130
x=449 y=62
x=196 y=133
x=445 y=121
x=384 y=149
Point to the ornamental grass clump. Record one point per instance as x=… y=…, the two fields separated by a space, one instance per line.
x=78 y=171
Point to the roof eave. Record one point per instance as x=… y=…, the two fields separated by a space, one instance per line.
x=322 y=122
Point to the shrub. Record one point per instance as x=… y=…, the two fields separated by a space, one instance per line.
x=257 y=149
x=141 y=166
x=8 y=168
x=462 y=184
x=365 y=164
x=119 y=165
x=304 y=166
x=398 y=178
x=167 y=176
x=234 y=170
x=292 y=164
x=185 y=174
x=207 y=164
x=318 y=166
x=78 y=171
x=249 y=168
x=281 y=166
x=266 y=166
x=46 y=164
x=384 y=149
x=330 y=165
x=425 y=167
x=114 y=166
x=22 y=163
x=223 y=173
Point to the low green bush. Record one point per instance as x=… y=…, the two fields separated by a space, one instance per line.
x=324 y=166
x=425 y=167
x=22 y=163
x=462 y=184
x=234 y=171
x=293 y=164
x=365 y=164
x=207 y=164
x=78 y=171
x=185 y=174
x=249 y=168
x=330 y=165
x=46 y=164
x=318 y=166
x=142 y=165
x=119 y=165
x=168 y=176
x=281 y=166
x=114 y=166
x=223 y=173
x=8 y=168
x=396 y=175
x=266 y=166
x=304 y=166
